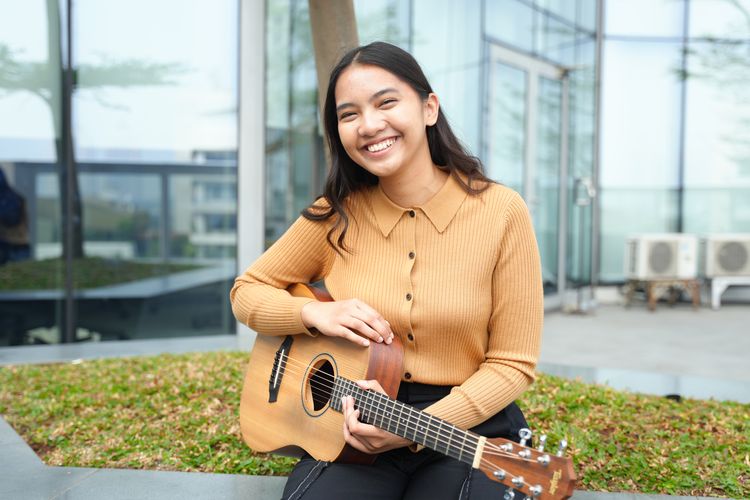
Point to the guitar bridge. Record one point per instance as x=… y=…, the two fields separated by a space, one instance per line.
x=277 y=372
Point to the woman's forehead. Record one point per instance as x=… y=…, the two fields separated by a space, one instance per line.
x=364 y=80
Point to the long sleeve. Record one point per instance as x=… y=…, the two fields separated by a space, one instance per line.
x=515 y=328
x=259 y=297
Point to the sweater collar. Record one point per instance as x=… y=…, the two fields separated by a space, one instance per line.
x=440 y=209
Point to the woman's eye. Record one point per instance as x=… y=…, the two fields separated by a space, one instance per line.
x=387 y=101
x=344 y=116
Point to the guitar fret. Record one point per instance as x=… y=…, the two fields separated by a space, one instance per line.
x=406 y=421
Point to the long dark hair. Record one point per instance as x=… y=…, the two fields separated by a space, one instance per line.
x=346 y=177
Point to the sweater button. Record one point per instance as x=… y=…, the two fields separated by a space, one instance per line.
x=412 y=213
x=407 y=376
x=412 y=255
x=408 y=296
x=410 y=337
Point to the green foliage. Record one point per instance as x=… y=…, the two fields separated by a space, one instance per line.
x=88 y=272
x=181 y=413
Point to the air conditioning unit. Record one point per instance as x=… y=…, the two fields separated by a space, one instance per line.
x=661 y=256
x=726 y=255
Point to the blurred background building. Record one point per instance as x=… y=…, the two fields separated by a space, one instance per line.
x=160 y=146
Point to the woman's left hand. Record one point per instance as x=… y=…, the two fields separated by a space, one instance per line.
x=364 y=437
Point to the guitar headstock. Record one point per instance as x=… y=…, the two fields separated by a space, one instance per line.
x=529 y=472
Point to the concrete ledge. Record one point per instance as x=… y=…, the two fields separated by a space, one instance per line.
x=23 y=476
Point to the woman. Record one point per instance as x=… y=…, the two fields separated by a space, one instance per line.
x=412 y=240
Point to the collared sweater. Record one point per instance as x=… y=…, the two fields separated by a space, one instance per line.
x=458 y=279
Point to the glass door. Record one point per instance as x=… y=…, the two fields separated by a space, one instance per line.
x=526 y=149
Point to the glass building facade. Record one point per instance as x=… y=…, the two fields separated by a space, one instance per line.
x=124 y=135
x=675 y=117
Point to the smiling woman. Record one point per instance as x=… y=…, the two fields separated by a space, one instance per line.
x=436 y=255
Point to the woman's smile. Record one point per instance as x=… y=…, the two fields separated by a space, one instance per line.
x=381 y=147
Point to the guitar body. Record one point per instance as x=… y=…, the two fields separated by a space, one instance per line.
x=301 y=418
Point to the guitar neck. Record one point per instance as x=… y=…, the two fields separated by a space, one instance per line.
x=408 y=422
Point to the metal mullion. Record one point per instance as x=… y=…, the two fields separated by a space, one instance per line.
x=562 y=234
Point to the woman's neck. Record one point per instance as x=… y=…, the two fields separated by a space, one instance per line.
x=414 y=188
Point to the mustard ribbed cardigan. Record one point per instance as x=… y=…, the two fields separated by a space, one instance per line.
x=461 y=274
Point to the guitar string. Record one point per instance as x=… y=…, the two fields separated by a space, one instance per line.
x=328 y=383
x=491 y=448
x=376 y=409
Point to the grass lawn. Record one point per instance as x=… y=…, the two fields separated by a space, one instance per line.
x=180 y=413
x=88 y=272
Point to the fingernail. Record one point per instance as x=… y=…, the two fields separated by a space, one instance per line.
x=380 y=339
x=366 y=343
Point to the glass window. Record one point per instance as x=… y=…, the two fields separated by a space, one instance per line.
x=717 y=152
x=506 y=123
x=295 y=161
x=448 y=45
x=167 y=94
x=640 y=114
x=562 y=8
x=640 y=145
x=556 y=41
x=29 y=82
x=662 y=18
x=720 y=18
x=587 y=14
x=511 y=22
x=384 y=20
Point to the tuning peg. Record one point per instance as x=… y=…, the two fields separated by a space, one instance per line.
x=506 y=447
x=561 y=448
x=542 y=442
x=536 y=490
x=525 y=454
x=500 y=474
x=509 y=495
x=517 y=481
x=525 y=435
x=544 y=459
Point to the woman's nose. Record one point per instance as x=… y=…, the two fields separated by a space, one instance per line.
x=371 y=123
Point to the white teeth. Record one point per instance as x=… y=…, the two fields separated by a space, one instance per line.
x=372 y=148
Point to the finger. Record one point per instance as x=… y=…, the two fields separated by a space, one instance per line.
x=351 y=336
x=375 y=319
x=372 y=385
x=361 y=326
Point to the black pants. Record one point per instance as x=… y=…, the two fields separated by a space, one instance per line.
x=401 y=473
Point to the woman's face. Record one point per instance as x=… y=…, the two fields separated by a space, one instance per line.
x=382 y=120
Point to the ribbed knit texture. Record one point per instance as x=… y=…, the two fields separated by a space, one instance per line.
x=476 y=304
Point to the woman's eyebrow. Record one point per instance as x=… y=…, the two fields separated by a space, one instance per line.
x=374 y=96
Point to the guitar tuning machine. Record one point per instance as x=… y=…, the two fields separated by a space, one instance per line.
x=561 y=448
x=509 y=495
x=525 y=435
x=542 y=442
x=500 y=474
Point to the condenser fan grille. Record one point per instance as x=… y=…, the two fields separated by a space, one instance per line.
x=732 y=256
x=661 y=257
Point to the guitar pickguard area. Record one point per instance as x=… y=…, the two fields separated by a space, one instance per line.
x=317 y=384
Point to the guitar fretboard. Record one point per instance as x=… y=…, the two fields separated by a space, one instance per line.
x=405 y=421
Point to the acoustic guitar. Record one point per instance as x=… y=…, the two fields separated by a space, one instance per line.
x=291 y=401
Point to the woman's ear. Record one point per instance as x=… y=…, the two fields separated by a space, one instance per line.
x=431 y=109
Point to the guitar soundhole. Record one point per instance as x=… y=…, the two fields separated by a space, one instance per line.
x=321 y=384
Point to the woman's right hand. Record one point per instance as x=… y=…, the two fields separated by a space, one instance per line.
x=352 y=319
